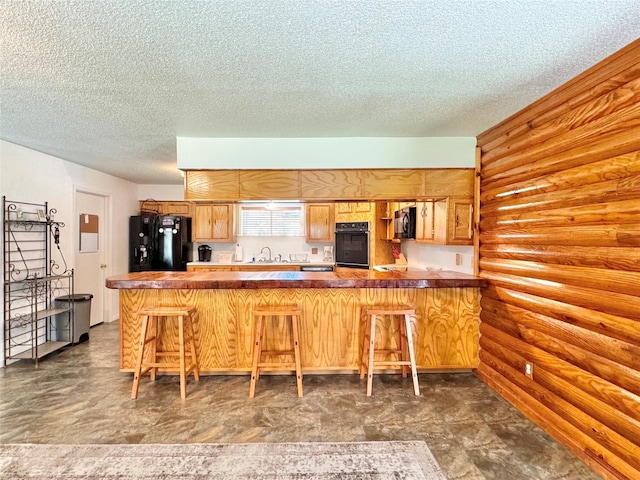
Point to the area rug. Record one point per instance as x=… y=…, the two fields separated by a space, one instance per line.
x=239 y=461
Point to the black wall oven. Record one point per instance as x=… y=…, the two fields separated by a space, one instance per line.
x=352 y=244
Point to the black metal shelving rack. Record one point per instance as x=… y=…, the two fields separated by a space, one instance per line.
x=33 y=325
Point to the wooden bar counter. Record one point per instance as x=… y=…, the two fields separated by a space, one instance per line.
x=447 y=306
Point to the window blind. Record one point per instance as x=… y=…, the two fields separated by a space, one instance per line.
x=271 y=221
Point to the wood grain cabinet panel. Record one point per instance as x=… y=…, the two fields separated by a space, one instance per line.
x=331 y=328
x=425 y=222
x=445 y=222
x=214 y=223
x=218 y=185
x=325 y=185
x=331 y=184
x=166 y=207
x=320 y=222
x=459 y=221
x=184 y=209
x=269 y=184
x=447 y=182
x=393 y=184
x=343 y=208
x=353 y=207
x=207 y=268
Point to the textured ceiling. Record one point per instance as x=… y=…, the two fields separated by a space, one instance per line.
x=110 y=84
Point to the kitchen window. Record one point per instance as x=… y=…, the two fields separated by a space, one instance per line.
x=271 y=219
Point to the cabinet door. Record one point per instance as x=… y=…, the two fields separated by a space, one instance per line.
x=360 y=207
x=269 y=184
x=460 y=221
x=206 y=268
x=425 y=222
x=214 y=223
x=343 y=207
x=393 y=183
x=175 y=208
x=269 y=268
x=320 y=222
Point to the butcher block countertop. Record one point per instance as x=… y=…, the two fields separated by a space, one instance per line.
x=352 y=278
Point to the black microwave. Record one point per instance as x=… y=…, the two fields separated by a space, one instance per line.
x=404 y=224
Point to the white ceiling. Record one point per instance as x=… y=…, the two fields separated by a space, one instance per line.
x=110 y=84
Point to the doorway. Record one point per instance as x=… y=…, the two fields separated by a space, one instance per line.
x=91 y=256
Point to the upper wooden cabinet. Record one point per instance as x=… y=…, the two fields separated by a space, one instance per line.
x=269 y=184
x=425 y=222
x=320 y=222
x=216 y=185
x=167 y=207
x=460 y=221
x=386 y=184
x=214 y=223
x=339 y=184
x=447 y=221
x=353 y=207
x=331 y=184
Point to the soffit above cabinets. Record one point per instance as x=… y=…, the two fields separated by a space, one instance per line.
x=328 y=185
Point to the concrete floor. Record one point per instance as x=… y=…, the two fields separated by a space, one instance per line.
x=79 y=396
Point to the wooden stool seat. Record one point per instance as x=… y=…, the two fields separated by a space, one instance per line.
x=288 y=312
x=405 y=353
x=150 y=317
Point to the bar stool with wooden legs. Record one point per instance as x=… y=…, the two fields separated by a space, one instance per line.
x=292 y=313
x=148 y=341
x=406 y=358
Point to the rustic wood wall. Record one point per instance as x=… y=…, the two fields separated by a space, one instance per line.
x=560 y=245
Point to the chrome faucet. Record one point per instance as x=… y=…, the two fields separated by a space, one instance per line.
x=278 y=258
x=269 y=260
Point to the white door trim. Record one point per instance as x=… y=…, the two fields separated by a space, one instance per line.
x=107 y=237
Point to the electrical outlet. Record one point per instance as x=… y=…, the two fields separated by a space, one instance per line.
x=528 y=369
x=458 y=259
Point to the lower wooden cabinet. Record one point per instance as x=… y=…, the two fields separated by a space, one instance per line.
x=320 y=222
x=207 y=268
x=214 y=222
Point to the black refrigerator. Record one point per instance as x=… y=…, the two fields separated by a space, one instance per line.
x=159 y=243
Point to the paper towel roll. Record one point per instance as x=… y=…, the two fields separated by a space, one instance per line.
x=238 y=253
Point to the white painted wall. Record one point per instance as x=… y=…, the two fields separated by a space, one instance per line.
x=438 y=256
x=348 y=152
x=31 y=176
x=161 y=192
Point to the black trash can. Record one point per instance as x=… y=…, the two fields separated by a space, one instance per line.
x=81 y=315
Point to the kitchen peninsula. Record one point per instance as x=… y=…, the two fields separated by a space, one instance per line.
x=447 y=306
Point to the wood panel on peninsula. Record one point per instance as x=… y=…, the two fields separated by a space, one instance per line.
x=447 y=306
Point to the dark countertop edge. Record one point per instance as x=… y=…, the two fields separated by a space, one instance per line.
x=236 y=284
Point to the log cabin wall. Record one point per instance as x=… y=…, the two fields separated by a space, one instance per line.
x=559 y=243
